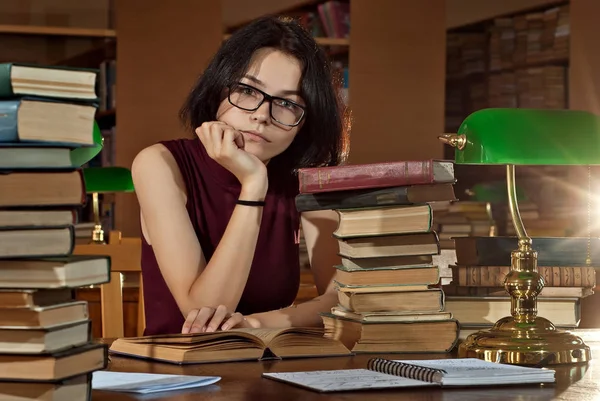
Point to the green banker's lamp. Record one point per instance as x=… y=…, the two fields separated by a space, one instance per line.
x=100 y=179
x=526 y=137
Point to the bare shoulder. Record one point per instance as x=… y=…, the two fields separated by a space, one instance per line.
x=155 y=165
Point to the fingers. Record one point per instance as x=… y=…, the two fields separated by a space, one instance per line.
x=235 y=320
x=232 y=139
x=219 y=139
x=189 y=321
x=196 y=320
x=207 y=320
x=217 y=318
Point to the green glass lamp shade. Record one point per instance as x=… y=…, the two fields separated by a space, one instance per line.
x=107 y=179
x=82 y=155
x=529 y=137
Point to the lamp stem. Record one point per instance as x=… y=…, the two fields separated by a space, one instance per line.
x=512 y=203
x=98 y=233
x=523 y=282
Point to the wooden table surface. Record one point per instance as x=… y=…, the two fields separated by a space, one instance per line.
x=242 y=381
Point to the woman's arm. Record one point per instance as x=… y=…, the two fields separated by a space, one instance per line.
x=166 y=226
x=323 y=248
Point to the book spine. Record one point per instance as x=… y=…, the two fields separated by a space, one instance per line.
x=552 y=251
x=352 y=199
x=8 y=120
x=406 y=370
x=5 y=82
x=341 y=178
x=493 y=276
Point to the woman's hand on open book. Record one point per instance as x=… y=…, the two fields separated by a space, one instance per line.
x=208 y=319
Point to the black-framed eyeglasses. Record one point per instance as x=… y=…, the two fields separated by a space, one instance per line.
x=249 y=98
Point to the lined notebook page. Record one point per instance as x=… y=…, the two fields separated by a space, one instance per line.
x=344 y=380
x=473 y=372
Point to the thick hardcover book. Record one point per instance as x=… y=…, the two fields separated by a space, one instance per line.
x=377 y=175
x=60 y=82
x=42 y=189
x=552 y=251
x=406 y=195
x=46 y=122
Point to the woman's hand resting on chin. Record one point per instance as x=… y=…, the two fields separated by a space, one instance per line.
x=208 y=319
x=225 y=145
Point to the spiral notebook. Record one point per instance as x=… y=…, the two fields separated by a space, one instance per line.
x=382 y=374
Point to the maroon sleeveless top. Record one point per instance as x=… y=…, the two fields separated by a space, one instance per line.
x=211 y=195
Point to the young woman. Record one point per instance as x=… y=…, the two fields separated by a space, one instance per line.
x=219 y=222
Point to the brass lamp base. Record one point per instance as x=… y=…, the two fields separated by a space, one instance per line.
x=524 y=338
x=525 y=344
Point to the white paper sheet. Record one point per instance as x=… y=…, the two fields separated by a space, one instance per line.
x=145 y=383
x=345 y=380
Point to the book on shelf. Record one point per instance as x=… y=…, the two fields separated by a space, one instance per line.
x=231 y=345
x=390 y=374
x=554 y=276
x=485 y=311
x=552 y=251
x=500 y=291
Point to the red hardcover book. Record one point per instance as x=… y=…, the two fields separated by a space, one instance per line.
x=376 y=175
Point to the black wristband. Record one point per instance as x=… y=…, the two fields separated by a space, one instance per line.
x=250 y=203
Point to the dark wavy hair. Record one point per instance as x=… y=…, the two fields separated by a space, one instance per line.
x=323 y=138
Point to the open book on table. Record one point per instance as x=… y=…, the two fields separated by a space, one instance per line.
x=382 y=374
x=231 y=345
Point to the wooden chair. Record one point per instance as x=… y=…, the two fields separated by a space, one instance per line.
x=125 y=254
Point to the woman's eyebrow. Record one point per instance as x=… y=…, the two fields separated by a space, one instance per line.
x=281 y=93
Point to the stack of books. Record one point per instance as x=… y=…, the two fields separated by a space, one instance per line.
x=477 y=297
x=46 y=347
x=388 y=284
x=464 y=219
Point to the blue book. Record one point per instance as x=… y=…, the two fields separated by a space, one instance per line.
x=44 y=122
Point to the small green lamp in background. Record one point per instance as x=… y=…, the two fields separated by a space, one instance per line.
x=526 y=137
x=100 y=179
x=105 y=180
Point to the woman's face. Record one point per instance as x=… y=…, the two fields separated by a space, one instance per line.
x=277 y=75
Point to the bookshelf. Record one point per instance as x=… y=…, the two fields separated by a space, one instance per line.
x=517 y=60
x=567 y=65
x=58 y=31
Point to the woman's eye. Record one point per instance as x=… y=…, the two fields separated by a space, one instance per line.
x=286 y=104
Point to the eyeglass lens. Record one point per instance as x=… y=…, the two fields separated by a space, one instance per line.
x=248 y=98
